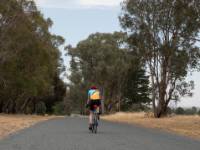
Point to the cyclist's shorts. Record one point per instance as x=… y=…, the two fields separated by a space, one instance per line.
x=93 y=103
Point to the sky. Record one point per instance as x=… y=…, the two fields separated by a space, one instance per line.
x=75 y=20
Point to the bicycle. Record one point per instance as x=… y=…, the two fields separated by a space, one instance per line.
x=95 y=119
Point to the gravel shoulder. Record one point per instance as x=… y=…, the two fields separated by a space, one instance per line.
x=182 y=125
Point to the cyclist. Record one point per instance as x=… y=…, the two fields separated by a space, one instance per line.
x=94 y=98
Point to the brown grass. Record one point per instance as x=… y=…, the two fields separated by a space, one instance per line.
x=13 y=123
x=183 y=125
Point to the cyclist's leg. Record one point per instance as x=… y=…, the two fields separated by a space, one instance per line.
x=91 y=116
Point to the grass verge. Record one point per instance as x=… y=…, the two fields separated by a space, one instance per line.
x=12 y=123
x=183 y=125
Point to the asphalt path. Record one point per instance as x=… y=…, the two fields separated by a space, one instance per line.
x=71 y=133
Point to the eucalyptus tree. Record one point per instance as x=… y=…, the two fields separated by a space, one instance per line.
x=29 y=56
x=164 y=33
x=103 y=60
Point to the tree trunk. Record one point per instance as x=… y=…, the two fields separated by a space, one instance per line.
x=22 y=109
x=1 y=107
x=154 y=104
x=162 y=104
x=161 y=111
x=102 y=100
x=5 y=108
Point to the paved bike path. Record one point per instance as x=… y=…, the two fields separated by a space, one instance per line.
x=72 y=134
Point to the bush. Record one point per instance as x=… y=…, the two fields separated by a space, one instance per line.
x=169 y=110
x=135 y=107
x=40 y=108
x=194 y=109
x=179 y=111
x=198 y=112
x=191 y=111
x=59 y=109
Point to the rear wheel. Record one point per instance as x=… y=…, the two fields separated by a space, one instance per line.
x=95 y=123
x=92 y=128
x=95 y=119
x=95 y=130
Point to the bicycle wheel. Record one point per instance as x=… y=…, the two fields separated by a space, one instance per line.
x=95 y=123
x=92 y=128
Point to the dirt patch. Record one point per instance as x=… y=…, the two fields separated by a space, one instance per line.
x=183 y=125
x=13 y=123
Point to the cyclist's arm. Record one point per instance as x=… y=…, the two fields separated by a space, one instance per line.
x=88 y=99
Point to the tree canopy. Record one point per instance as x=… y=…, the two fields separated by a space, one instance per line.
x=164 y=34
x=29 y=56
x=148 y=62
x=103 y=60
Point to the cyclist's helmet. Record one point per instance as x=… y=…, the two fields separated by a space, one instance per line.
x=93 y=87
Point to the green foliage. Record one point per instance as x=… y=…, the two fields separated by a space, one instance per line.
x=29 y=56
x=170 y=111
x=180 y=111
x=164 y=35
x=40 y=108
x=103 y=60
x=194 y=109
x=59 y=109
x=191 y=111
x=135 y=107
x=198 y=112
x=136 y=89
x=188 y=111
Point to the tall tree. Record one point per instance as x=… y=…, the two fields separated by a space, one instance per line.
x=103 y=60
x=136 y=89
x=164 y=34
x=29 y=56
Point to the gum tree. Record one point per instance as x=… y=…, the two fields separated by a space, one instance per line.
x=165 y=35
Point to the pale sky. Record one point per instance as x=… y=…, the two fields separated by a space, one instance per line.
x=76 y=19
x=81 y=4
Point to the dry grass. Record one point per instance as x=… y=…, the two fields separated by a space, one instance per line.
x=183 y=125
x=13 y=123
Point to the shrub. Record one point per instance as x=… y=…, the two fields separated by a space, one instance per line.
x=40 y=108
x=194 y=109
x=198 y=112
x=191 y=111
x=169 y=110
x=179 y=111
x=59 y=108
x=138 y=107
